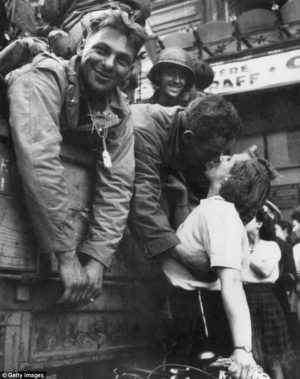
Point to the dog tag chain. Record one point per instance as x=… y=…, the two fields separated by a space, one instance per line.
x=102 y=133
x=105 y=154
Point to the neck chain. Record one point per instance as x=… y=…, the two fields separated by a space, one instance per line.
x=252 y=246
x=102 y=131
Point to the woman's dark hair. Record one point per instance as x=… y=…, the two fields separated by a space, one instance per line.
x=248 y=185
x=267 y=230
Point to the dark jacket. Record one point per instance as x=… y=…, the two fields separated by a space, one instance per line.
x=157 y=155
x=287 y=277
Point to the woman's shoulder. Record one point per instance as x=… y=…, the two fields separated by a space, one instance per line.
x=218 y=203
x=270 y=245
x=217 y=207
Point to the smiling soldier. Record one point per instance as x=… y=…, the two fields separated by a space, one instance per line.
x=51 y=99
x=173 y=75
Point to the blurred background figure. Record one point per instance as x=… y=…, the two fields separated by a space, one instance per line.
x=272 y=347
x=129 y=86
x=295 y=216
x=173 y=75
x=272 y=210
x=18 y=18
x=204 y=76
x=66 y=23
x=283 y=230
x=285 y=285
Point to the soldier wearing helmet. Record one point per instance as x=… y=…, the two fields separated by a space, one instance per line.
x=173 y=75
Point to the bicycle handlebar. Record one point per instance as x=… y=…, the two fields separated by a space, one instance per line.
x=181 y=371
x=224 y=364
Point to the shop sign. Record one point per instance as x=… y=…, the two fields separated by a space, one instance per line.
x=255 y=73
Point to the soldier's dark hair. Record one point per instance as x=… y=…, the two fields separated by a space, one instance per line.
x=211 y=115
x=120 y=21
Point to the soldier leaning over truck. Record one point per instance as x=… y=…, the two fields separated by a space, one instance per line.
x=50 y=98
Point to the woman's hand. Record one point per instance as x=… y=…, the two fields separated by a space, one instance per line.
x=243 y=365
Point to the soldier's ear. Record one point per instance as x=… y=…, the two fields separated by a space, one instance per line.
x=80 y=47
x=188 y=137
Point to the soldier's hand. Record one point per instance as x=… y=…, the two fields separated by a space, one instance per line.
x=197 y=264
x=73 y=277
x=94 y=271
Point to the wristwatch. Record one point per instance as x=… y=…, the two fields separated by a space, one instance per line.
x=246 y=348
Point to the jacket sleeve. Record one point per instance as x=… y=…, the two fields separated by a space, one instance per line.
x=113 y=191
x=35 y=95
x=148 y=222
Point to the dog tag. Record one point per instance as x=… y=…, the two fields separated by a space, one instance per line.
x=106 y=159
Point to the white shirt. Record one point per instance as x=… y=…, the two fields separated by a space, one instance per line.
x=265 y=252
x=215 y=229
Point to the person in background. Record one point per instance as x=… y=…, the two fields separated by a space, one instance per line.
x=214 y=233
x=285 y=285
x=129 y=85
x=295 y=216
x=272 y=210
x=65 y=23
x=173 y=76
x=204 y=76
x=78 y=101
x=73 y=19
x=272 y=347
x=283 y=230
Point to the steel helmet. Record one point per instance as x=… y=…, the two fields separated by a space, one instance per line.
x=176 y=56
